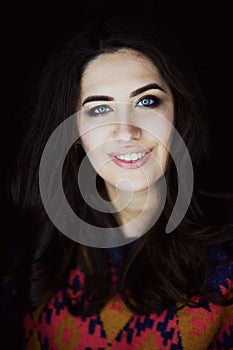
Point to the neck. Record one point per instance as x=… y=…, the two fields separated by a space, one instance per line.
x=135 y=210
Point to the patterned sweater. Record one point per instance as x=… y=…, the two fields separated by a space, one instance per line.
x=52 y=327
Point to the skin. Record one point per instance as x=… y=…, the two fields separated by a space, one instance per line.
x=123 y=120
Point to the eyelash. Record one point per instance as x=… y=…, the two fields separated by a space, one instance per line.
x=92 y=112
x=155 y=103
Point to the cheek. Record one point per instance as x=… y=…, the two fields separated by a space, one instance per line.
x=87 y=144
x=157 y=125
x=92 y=140
x=93 y=144
x=163 y=156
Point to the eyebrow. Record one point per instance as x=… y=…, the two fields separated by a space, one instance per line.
x=145 y=88
x=133 y=94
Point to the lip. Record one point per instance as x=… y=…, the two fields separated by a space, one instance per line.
x=130 y=151
x=134 y=164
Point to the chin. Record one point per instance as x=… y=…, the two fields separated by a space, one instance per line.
x=130 y=186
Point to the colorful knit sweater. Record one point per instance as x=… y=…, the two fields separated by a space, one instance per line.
x=52 y=327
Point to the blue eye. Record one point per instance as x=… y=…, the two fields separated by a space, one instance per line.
x=98 y=110
x=149 y=101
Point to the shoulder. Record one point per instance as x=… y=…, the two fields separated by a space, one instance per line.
x=220 y=278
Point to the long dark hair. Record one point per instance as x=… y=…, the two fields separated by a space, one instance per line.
x=158 y=269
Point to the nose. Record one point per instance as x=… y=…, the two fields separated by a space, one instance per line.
x=125 y=129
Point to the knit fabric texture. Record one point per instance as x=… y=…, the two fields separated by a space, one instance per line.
x=53 y=327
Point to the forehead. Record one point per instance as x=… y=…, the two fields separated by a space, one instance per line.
x=124 y=67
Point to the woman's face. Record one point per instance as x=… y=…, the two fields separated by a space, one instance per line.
x=125 y=118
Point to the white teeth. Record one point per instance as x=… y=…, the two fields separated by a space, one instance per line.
x=131 y=156
x=134 y=156
x=128 y=157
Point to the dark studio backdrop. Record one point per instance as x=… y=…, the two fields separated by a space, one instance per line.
x=36 y=28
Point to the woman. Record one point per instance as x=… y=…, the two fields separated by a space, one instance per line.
x=125 y=279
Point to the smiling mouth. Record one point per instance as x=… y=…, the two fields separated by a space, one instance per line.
x=131 y=157
x=132 y=160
